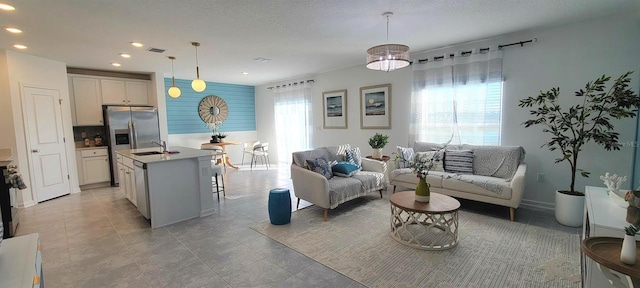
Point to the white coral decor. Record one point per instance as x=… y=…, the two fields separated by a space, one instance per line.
x=613 y=181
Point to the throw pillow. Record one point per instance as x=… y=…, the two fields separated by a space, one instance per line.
x=354 y=156
x=406 y=156
x=458 y=161
x=435 y=156
x=345 y=169
x=321 y=166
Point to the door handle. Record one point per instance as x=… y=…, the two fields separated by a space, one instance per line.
x=35 y=150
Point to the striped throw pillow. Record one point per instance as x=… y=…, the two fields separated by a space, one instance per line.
x=354 y=156
x=458 y=161
x=406 y=156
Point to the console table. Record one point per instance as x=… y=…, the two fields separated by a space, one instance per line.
x=602 y=218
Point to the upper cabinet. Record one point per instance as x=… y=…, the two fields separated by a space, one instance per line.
x=85 y=93
x=125 y=92
x=88 y=94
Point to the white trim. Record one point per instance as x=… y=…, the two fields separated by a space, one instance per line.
x=538 y=204
x=28 y=204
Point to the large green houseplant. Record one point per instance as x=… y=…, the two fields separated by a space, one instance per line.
x=570 y=129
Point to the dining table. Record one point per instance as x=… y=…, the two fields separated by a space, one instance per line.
x=222 y=144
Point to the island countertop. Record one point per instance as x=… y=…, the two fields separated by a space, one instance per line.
x=183 y=153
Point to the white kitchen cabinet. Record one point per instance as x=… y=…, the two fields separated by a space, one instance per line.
x=137 y=92
x=127 y=178
x=124 y=92
x=93 y=166
x=85 y=94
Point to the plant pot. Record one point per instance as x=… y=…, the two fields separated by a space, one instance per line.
x=628 y=251
x=422 y=191
x=569 y=209
x=214 y=139
x=376 y=153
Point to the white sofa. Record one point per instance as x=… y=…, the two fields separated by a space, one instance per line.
x=498 y=175
x=329 y=193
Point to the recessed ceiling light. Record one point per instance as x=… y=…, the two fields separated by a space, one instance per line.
x=125 y=55
x=13 y=30
x=245 y=73
x=137 y=44
x=115 y=64
x=20 y=46
x=6 y=7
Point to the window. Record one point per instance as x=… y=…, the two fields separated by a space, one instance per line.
x=458 y=100
x=293 y=119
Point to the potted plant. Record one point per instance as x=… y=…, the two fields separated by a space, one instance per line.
x=377 y=142
x=628 y=250
x=221 y=136
x=215 y=137
x=572 y=128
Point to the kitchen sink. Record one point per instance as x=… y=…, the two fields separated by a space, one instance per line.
x=147 y=153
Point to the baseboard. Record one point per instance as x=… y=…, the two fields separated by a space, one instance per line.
x=95 y=185
x=537 y=204
x=27 y=204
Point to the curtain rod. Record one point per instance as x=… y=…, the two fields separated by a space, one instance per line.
x=481 y=50
x=291 y=84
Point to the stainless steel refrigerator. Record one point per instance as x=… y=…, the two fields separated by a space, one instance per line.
x=129 y=127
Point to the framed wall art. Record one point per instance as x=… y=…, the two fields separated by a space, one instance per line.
x=375 y=107
x=334 y=104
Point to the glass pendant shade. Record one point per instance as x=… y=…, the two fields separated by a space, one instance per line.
x=197 y=84
x=174 y=92
x=388 y=57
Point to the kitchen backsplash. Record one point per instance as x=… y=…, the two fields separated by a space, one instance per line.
x=91 y=132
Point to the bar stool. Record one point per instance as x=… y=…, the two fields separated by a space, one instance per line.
x=216 y=170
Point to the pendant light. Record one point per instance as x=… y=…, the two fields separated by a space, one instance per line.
x=174 y=91
x=388 y=57
x=197 y=84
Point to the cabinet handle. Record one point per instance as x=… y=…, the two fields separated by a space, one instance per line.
x=35 y=150
x=125 y=101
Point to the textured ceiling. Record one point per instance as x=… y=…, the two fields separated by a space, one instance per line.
x=302 y=37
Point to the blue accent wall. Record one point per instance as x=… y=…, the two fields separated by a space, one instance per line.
x=182 y=112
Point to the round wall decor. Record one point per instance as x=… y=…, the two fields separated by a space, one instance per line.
x=213 y=109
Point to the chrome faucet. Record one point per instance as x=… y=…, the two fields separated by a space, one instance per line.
x=162 y=144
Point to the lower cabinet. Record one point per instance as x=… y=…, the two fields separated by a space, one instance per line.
x=127 y=178
x=93 y=166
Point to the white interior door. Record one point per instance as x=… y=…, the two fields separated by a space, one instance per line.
x=48 y=157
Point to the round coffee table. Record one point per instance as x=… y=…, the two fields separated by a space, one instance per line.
x=427 y=226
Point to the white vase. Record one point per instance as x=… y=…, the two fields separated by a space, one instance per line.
x=628 y=251
x=569 y=209
x=376 y=153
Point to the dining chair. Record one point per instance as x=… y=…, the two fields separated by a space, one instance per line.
x=261 y=150
x=248 y=148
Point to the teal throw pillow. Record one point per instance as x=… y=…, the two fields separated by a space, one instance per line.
x=321 y=166
x=345 y=169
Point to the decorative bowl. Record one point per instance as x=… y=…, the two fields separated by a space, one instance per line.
x=618 y=200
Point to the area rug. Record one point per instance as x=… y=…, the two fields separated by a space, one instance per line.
x=492 y=252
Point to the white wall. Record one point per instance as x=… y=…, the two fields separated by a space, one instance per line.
x=567 y=56
x=22 y=69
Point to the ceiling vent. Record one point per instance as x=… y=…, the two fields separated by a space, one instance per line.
x=156 y=50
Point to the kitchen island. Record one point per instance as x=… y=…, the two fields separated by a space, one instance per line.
x=168 y=187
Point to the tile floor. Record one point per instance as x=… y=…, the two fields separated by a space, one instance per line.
x=97 y=238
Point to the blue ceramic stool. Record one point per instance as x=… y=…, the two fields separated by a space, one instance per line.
x=279 y=206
